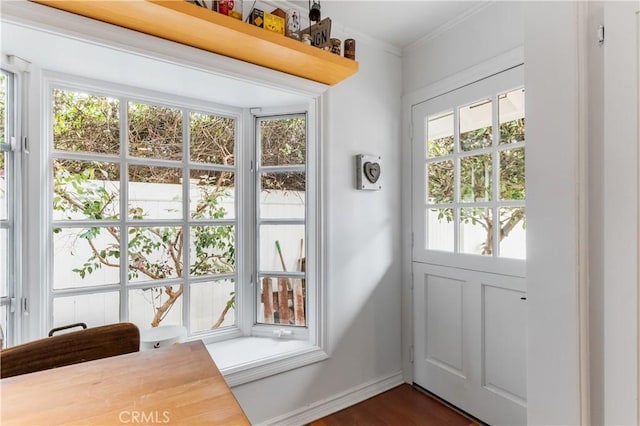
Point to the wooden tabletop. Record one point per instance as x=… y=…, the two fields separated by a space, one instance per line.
x=177 y=385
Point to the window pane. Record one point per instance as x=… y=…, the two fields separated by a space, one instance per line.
x=154 y=253
x=441 y=182
x=155 y=131
x=290 y=239
x=4 y=329
x=475 y=178
x=155 y=192
x=476 y=231
x=513 y=234
x=283 y=141
x=212 y=139
x=4 y=157
x=154 y=306
x=85 y=190
x=4 y=262
x=212 y=250
x=211 y=195
x=85 y=257
x=511 y=107
x=3 y=108
x=85 y=123
x=512 y=174
x=91 y=309
x=475 y=126
x=282 y=195
x=440 y=232
x=282 y=300
x=4 y=195
x=440 y=134
x=212 y=305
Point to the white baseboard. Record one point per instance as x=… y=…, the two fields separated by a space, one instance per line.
x=337 y=402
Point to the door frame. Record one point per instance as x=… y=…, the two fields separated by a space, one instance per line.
x=479 y=72
x=553 y=51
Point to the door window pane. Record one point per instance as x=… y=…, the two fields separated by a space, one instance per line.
x=283 y=141
x=212 y=305
x=440 y=134
x=441 y=182
x=475 y=126
x=83 y=122
x=512 y=173
x=212 y=139
x=155 y=131
x=440 y=230
x=476 y=231
x=476 y=174
x=513 y=235
x=511 y=107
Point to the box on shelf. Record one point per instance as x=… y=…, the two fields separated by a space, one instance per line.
x=256 y=18
x=279 y=12
x=273 y=23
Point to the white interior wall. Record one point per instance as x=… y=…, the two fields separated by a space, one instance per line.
x=492 y=31
x=621 y=222
x=363 y=280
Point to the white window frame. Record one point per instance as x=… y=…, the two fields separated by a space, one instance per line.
x=125 y=94
x=16 y=70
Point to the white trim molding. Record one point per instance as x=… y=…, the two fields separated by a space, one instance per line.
x=336 y=402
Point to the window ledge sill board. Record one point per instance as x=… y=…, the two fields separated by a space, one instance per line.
x=246 y=359
x=194 y=26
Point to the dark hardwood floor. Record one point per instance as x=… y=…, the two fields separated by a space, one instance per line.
x=401 y=406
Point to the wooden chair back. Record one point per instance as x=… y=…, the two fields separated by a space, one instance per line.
x=70 y=348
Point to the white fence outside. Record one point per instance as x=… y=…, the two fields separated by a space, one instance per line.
x=207 y=299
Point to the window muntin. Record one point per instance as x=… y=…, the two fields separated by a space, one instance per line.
x=158 y=192
x=281 y=220
x=475 y=177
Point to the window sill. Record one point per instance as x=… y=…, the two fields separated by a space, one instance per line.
x=245 y=359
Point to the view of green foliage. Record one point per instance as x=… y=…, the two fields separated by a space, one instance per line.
x=476 y=174
x=89 y=190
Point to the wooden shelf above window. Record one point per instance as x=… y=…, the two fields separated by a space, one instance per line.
x=195 y=26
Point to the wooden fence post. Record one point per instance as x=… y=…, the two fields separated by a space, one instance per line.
x=283 y=300
x=267 y=299
x=298 y=302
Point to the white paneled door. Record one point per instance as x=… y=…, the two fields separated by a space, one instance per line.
x=469 y=229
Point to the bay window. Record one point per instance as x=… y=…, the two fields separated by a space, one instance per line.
x=150 y=199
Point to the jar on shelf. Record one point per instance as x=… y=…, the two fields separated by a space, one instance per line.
x=350 y=48
x=232 y=8
x=306 y=39
x=335 y=46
